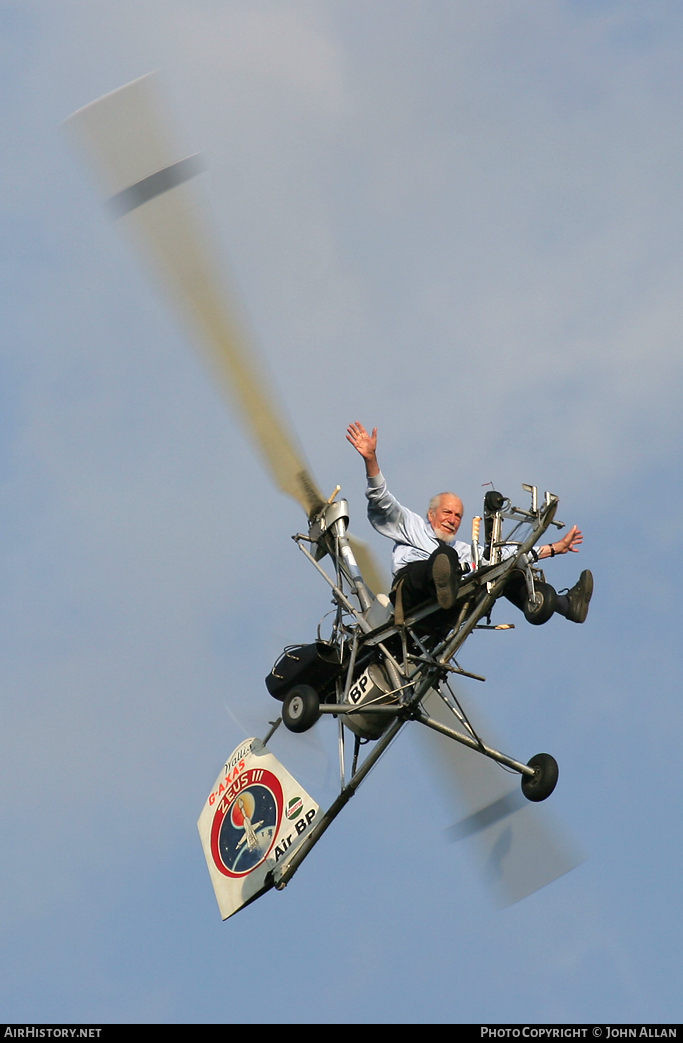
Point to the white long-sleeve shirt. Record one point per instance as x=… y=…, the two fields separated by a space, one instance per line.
x=413 y=536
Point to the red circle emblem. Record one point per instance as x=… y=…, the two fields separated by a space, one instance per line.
x=246 y=822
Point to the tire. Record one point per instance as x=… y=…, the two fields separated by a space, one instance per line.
x=301 y=708
x=540 y=610
x=540 y=785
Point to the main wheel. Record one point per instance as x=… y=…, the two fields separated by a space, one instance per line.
x=541 y=784
x=542 y=607
x=301 y=708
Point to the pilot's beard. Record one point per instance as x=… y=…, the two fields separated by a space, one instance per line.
x=441 y=534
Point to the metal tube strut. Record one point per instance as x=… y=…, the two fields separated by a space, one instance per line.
x=495 y=755
x=283 y=874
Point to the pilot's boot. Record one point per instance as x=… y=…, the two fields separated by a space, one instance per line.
x=573 y=604
x=446 y=576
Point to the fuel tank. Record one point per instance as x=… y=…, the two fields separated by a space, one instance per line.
x=372 y=687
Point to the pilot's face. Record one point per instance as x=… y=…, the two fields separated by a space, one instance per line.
x=446 y=517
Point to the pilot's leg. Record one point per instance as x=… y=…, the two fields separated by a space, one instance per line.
x=515 y=589
x=436 y=578
x=572 y=604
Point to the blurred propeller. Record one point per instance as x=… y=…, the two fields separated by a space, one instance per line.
x=149 y=190
x=519 y=847
x=371 y=570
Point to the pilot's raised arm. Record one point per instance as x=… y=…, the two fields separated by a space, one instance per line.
x=365 y=444
x=415 y=537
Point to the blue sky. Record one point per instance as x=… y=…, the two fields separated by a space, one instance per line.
x=460 y=223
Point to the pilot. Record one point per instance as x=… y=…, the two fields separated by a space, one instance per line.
x=429 y=560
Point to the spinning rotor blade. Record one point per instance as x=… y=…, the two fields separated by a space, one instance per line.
x=371 y=570
x=148 y=185
x=520 y=847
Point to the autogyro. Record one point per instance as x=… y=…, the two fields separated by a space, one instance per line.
x=380 y=668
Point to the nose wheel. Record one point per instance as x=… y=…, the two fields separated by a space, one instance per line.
x=541 y=784
x=301 y=708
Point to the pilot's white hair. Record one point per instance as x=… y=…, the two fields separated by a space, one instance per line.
x=435 y=501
